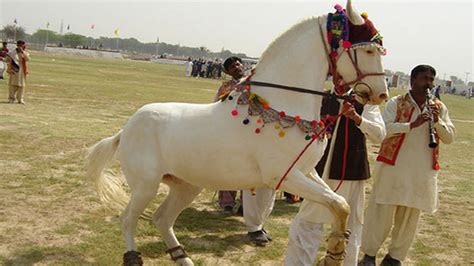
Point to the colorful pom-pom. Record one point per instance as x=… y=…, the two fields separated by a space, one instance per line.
x=338 y=7
x=307 y=137
x=297 y=118
x=246 y=121
x=282 y=114
x=333 y=54
x=247 y=87
x=314 y=136
x=230 y=98
x=364 y=15
x=321 y=124
x=436 y=166
x=346 y=44
x=234 y=112
x=314 y=123
x=266 y=106
x=259 y=120
x=257 y=130
x=281 y=134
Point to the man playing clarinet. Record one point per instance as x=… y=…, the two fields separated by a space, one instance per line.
x=405 y=177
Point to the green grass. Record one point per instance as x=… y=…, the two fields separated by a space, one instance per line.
x=49 y=215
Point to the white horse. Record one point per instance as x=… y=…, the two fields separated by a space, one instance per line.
x=195 y=146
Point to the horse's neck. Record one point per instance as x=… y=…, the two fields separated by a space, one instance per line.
x=297 y=58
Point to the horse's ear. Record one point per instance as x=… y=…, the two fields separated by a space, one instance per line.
x=353 y=14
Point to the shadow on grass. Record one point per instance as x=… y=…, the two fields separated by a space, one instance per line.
x=214 y=245
x=35 y=255
x=215 y=221
x=211 y=231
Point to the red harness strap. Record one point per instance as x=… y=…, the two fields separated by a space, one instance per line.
x=313 y=138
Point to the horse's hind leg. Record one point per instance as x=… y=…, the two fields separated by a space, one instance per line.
x=142 y=194
x=181 y=195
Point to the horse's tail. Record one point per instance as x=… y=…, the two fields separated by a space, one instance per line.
x=108 y=185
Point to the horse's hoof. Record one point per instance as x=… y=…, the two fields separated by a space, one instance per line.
x=185 y=262
x=132 y=258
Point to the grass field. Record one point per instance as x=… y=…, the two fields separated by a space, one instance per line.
x=49 y=215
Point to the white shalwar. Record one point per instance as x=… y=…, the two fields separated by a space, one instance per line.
x=257 y=207
x=306 y=230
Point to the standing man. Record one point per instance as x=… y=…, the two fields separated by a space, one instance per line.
x=257 y=206
x=306 y=231
x=406 y=173
x=188 y=67
x=18 y=69
x=3 y=54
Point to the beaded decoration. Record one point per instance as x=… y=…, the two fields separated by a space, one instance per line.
x=258 y=106
x=338 y=30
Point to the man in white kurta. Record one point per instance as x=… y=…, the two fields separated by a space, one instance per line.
x=188 y=67
x=405 y=183
x=306 y=230
x=257 y=206
x=17 y=70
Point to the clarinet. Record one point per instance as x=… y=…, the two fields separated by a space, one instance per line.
x=432 y=144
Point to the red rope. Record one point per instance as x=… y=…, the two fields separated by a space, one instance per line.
x=314 y=137
x=346 y=144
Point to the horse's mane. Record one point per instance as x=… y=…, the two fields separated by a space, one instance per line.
x=281 y=41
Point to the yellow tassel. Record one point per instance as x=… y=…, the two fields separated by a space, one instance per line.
x=365 y=15
x=281 y=134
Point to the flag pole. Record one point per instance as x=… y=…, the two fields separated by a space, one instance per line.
x=117 y=34
x=46 y=41
x=157 y=43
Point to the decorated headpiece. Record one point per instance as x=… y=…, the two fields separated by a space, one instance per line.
x=365 y=32
x=341 y=30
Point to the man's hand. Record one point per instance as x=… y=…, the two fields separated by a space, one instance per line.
x=435 y=111
x=351 y=112
x=420 y=120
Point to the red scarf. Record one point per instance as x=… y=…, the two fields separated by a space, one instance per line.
x=23 y=64
x=390 y=147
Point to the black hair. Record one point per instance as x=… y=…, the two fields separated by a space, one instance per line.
x=20 y=42
x=229 y=61
x=4 y=43
x=420 y=69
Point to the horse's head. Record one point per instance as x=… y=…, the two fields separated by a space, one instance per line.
x=359 y=60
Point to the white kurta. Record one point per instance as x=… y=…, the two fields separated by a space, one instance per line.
x=19 y=78
x=411 y=182
x=188 y=68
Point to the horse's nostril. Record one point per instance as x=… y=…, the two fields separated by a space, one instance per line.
x=383 y=96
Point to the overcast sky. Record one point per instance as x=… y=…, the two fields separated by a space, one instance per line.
x=436 y=32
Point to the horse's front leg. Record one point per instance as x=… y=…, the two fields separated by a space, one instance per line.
x=313 y=188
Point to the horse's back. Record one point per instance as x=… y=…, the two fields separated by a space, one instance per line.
x=187 y=140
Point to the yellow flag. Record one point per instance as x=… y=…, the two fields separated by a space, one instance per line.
x=116 y=32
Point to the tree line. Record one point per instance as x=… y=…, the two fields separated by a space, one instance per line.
x=126 y=45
